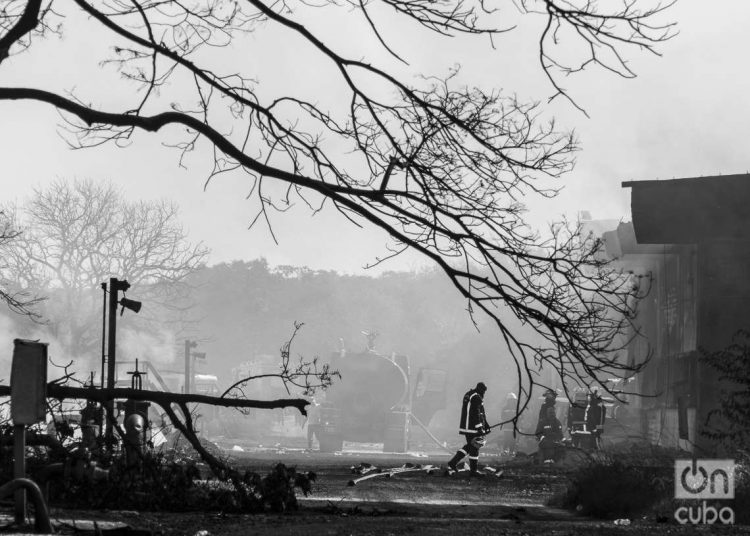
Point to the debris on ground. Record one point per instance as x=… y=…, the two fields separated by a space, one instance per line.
x=363 y=468
x=388 y=473
x=497 y=473
x=369 y=471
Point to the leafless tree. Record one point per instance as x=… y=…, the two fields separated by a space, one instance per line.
x=440 y=167
x=19 y=301
x=76 y=235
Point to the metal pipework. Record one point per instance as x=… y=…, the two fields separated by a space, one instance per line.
x=41 y=519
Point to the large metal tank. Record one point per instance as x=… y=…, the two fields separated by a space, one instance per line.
x=370 y=403
x=375 y=401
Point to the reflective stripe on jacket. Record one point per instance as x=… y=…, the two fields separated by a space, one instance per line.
x=473 y=420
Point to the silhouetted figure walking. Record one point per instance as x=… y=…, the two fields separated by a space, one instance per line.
x=474 y=427
x=548 y=428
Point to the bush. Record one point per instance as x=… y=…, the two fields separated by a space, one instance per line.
x=728 y=424
x=741 y=503
x=621 y=482
x=173 y=479
x=159 y=483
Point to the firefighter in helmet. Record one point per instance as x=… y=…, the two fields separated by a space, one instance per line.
x=577 y=428
x=548 y=428
x=507 y=440
x=586 y=420
x=473 y=427
x=595 y=416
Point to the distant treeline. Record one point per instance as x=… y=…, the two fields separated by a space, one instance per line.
x=240 y=310
x=248 y=308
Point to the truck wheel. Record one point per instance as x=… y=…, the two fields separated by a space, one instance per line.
x=330 y=442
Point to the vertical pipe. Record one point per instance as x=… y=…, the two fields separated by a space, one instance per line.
x=192 y=373
x=19 y=470
x=104 y=331
x=112 y=341
x=186 y=383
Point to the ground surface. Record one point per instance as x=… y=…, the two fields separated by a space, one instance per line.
x=414 y=503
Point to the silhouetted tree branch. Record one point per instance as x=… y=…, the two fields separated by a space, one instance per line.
x=441 y=167
x=305 y=375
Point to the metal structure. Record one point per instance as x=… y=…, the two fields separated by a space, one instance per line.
x=375 y=399
x=169 y=381
x=115 y=287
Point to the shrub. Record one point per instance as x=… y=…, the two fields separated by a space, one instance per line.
x=159 y=483
x=729 y=424
x=741 y=503
x=622 y=482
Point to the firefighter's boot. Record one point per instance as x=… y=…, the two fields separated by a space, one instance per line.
x=473 y=471
x=453 y=464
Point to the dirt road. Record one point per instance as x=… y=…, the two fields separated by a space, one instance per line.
x=413 y=503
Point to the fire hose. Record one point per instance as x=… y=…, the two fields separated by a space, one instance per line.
x=435 y=439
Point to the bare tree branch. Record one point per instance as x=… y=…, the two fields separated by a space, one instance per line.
x=441 y=167
x=162 y=398
x=305 y=375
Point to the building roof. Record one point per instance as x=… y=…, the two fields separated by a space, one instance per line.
x=691 y=210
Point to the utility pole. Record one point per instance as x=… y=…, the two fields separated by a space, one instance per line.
x=104 y=332
x=188 y=387
x=115 y=287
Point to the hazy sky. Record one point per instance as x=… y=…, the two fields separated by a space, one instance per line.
x=685 y=115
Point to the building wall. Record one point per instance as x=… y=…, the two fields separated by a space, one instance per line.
x=703 y=291
x=724 y=308
x=700 y=297
x=667 y=322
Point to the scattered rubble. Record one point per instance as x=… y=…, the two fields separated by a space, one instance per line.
x=369 y=471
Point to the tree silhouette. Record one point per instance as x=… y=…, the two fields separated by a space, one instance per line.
x=440 y=167
x=76 y=235
x=19 y=301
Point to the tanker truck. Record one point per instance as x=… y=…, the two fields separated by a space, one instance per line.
x=377 y=400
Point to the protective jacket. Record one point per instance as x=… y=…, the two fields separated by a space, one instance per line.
x=595 y=415
x=507 y=414
x=473 y=420
x=577 y=413
x=548 y=425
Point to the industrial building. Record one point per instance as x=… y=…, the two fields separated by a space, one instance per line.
x=691 y=237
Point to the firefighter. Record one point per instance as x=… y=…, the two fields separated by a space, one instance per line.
x=577 y=428
x=548 y=428
x=473 y=427
x=595 y=415
x=507 y=439
x=313 y=421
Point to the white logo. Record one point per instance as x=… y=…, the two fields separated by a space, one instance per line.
x=704 y=479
